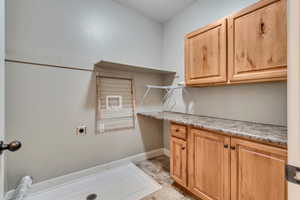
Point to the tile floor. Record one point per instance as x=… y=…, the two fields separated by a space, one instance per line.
x=159 y=169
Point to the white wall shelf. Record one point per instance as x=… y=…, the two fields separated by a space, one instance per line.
x=168 y=91
x=126 y=67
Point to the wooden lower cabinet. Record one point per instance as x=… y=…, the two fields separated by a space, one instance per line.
x=178 y=158
x=217 y=167
x=209 y=165
x=257 y=171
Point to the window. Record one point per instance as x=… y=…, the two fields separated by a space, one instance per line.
x=115 y=104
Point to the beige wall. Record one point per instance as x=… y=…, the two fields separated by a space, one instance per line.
x=44 y=107
x=45 y=104
x=81 y=33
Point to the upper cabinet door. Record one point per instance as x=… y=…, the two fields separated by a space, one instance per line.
x=205 y=55
x=257 y=43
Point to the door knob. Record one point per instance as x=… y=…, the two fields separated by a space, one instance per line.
x=13 y=146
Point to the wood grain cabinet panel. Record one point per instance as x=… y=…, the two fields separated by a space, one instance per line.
x=209 y=166
x=257 y=43
x=178 y=160
x=179 y=131
x=205 y=54
x=257 y=171
x=214 y=166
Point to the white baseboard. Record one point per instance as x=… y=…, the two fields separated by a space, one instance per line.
x=45 y=185
x=167 y=152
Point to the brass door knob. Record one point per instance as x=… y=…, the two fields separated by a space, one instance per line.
x=13 y=146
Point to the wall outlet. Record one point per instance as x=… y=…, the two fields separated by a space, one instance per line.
x=81 y=131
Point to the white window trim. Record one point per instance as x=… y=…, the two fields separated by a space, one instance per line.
x=100 y=126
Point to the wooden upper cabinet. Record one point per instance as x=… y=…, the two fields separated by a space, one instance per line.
x=257 y=42
x=178 y=161
x=205 y=54
x=257 y=171
x=209 y=165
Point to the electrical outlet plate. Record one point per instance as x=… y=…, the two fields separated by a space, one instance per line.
x=81 y=131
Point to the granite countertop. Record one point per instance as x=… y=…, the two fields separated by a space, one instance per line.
x=263 y=132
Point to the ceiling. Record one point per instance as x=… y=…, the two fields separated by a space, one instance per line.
x=159 y=10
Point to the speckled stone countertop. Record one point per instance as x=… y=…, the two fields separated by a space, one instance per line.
x=263 y=132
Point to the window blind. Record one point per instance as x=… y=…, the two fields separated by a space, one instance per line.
x=115 y=104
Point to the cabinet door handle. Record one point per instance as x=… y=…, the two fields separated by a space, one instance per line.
x=182 y=148
x=226 y=146
x=262 y=28
x=177 y=130
x=232 y=147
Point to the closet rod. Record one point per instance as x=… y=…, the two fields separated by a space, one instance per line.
x=47 y=65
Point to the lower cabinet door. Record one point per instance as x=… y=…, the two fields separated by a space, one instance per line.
x=178 y=160
x=257 y=171
x=209 y=165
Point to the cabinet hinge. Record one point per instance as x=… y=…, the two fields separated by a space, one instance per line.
x=292 y=174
